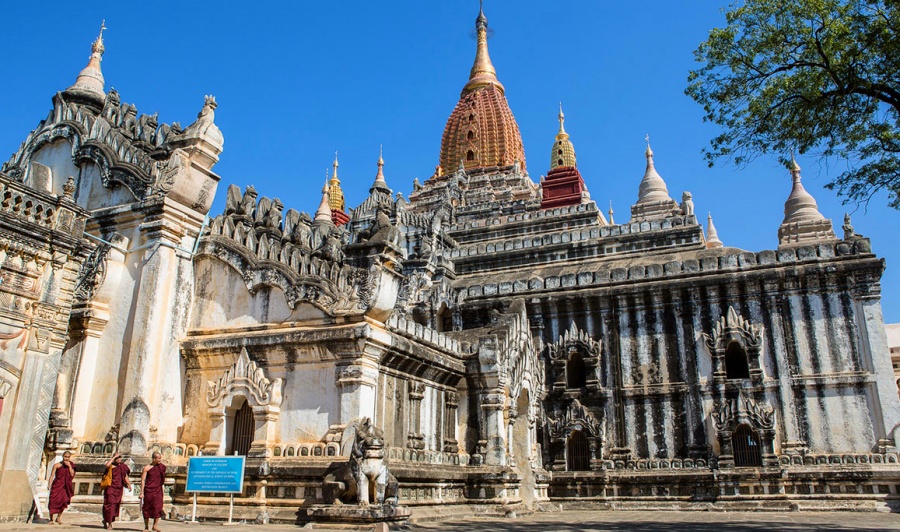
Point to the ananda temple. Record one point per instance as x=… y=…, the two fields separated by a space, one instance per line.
x=514 y=347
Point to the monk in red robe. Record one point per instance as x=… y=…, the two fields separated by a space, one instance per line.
x=61 y=487
x=112 y=497
x=153 y=477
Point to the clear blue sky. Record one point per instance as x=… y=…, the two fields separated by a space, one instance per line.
x=296 y=81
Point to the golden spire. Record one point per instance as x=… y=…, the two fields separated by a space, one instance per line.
x=562 y=130
x=563 y=153
x=483 y=72
x=335 y=194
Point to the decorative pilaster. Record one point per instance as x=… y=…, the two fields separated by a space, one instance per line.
x=414 y=438
x=873 y=345
x=451 y=405
x=160 y=319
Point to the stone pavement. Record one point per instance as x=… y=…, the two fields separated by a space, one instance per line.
x=569 y=521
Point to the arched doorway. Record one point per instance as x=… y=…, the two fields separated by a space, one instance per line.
x=578 y=452
x=746 y=446
x=244 y=428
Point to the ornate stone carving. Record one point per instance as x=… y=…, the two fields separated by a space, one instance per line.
x=363 y=444
x=575 y=417
x=574 y=340
x=731 y=327
x=743 y=410
x=247 y=376
x=687 y=204
x=93 y=273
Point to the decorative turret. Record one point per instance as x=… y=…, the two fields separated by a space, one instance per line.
x=563 y=184
x=88 y=87
x=324 y=214
x=336 y=197
x=653 y=196
x=802 y=220
x=380 y=184
x=712 y=236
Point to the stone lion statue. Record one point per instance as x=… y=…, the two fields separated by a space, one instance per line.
x=363 y=444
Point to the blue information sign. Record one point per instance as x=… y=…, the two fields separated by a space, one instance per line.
x=215 y=474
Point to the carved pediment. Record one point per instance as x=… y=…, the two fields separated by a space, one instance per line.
x=245 y=377
x=572 y=341
x=576 y=417
x=733 y=327
x=743 y=410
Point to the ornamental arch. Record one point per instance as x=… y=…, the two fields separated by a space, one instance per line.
x=243 y=386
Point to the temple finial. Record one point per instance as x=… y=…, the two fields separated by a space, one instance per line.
x=563 y=152
x=334 y=188
x=323 y=213
x=379 y=177
x=712 y=236
x=562 y=119
x=483 y=72
x=97 y=47
x=89 y=84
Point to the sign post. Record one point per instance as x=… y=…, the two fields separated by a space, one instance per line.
x=215 y=474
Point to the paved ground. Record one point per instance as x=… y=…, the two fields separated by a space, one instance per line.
x=566 y=522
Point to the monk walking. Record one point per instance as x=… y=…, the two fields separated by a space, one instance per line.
x=112 y=497
x=153 y=477
x=61 y=487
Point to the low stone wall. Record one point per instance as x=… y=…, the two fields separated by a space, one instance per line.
x=825 y=487
x=275 y=492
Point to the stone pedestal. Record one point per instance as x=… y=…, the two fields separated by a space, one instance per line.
x=354 y=517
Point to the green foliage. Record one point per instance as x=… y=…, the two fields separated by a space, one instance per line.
x=818 y=76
